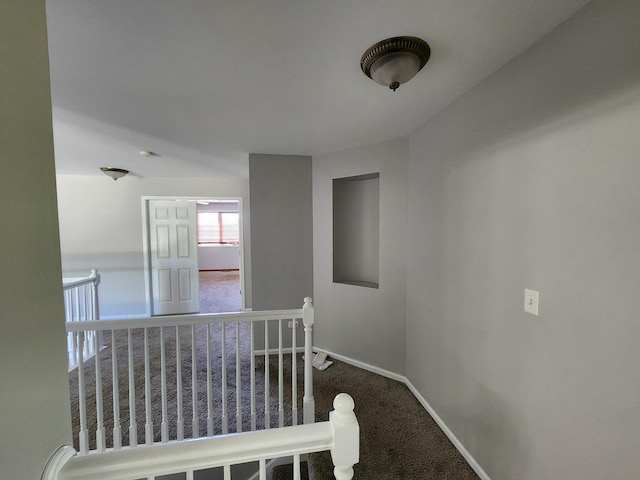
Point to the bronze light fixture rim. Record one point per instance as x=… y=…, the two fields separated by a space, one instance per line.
x=113 y=169
x=404 y=44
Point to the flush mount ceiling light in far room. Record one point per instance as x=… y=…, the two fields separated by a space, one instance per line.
x=114 y=173
x=147 y=153
x=395 y=61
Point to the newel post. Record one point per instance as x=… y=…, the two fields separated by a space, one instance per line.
x=95 y=308
x=94 y=294
x=309 y=403
x=345 y=452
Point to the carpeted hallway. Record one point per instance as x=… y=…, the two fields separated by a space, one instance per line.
x=398 y=438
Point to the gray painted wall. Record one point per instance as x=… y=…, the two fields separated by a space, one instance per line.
x=34 y=397
x=532 y=180
x=281 y=230
x=366 y=324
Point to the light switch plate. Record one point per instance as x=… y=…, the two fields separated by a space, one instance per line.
x=531 y=301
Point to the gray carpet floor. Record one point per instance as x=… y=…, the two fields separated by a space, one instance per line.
x=398 y=438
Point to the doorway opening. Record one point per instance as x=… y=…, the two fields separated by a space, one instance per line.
x=218 y=232
x=193 y=251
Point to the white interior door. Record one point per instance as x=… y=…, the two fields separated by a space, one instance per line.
x=174 y=257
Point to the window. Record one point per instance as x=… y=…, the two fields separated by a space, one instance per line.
x=219 y=228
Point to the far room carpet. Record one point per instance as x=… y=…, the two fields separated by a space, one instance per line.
x=219 y=291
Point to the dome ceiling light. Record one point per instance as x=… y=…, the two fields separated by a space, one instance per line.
x=395 y=61
x=114 y=173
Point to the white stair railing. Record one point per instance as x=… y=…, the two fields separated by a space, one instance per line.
x=81 y=304
x=340 y=435
x=151 y=359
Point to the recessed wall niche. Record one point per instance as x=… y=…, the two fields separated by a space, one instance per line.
x=356 y=230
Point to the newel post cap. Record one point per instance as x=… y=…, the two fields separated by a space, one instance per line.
x=346 y=432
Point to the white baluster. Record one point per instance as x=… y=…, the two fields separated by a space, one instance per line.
x=85 y=304
x=346 y=443
x=227 y=472
x=252 y=380
x=100 y=437
x=238 y=382
x=164 y=430
x=84 y=433
x=76 y=308
x=294 y=374
x=133 y=426
x=209 y=393
x=267 y=413
x=195 y=431
x=117 y=429
x=148 y=426
x=296 y=467
x=67 y=306
x=280 y=377
x=95 y=306
x=223 y=379
x=180 y=419
x=309 y=403
x=71 y=336
x=263 y=469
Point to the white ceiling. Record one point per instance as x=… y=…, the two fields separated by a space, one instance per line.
x=206 y=82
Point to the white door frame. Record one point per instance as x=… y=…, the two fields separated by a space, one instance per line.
x=147 y=253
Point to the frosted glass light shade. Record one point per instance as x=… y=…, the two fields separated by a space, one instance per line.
x=395 y=67
x=114 y=173
x=395 y=61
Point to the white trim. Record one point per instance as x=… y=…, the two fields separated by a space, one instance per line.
x=364 y=366
x=443 y=426
x=401 y=378
x=56 y=461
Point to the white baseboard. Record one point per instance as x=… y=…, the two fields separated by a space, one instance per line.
x=364 y=366
x=443 y=426
x=401 y=378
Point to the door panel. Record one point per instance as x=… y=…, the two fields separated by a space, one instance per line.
x=174 y=257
